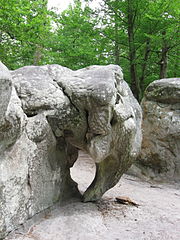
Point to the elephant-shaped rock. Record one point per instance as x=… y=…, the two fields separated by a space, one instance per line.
x=48 y=114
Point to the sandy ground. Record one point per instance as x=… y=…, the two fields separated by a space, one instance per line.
x=156 y=218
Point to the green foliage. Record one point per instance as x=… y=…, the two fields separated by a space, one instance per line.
x=23 y=28
x=146 y=36
x=140 y=36
x=78 y=40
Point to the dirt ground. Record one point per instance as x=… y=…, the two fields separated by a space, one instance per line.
x=157 y=216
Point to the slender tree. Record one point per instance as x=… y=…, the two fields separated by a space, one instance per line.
x=146 y=37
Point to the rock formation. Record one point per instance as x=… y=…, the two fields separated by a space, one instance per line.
x=47 y=114
x=160 y=154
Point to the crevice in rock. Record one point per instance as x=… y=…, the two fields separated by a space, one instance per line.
x=29 y=181
x=31 y=114
x=117 y=98
x=68 y=133
x=66 y=94
x=87 y=133
x=113 y=121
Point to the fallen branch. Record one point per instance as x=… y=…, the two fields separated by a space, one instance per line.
x=126 y=201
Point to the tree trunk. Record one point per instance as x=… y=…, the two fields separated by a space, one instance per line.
x=163 y=62
x=37 y=55
x=116 y=52
x=132 y=51
x=144 y=65
x=164 y=58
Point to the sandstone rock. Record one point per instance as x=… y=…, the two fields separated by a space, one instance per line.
x=33 y=172
x=104 y=119
x=160 y=155
x=51 y=112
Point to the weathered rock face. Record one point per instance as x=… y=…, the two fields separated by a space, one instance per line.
x=103 y=119
x=160 y=155
x=33 y=171
x=48 y=114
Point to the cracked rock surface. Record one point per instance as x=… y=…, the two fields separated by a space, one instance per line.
x=48 y=114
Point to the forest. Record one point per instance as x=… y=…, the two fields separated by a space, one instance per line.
x=139 y=35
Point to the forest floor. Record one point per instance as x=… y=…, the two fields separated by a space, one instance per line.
x=155 y=217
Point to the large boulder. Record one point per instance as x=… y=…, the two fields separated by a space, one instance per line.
x=103 y=119
x=49 y=113
x=33 y=172
x=160 y=154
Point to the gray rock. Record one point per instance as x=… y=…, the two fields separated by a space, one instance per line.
x=104 y=120
x=51 y=112
x=33 y=171
x=160 y=155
